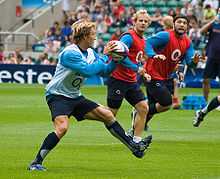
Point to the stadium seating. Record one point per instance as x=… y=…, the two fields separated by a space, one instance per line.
x=160 y=4
x=126 y=3
x=172 y=4
x=111 y=30
x=106 y=37
x=148 y=4
x=138 y=4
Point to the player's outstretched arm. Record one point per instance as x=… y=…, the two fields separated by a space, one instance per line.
x=157 y=41
x=74 y=61
x=191 y=58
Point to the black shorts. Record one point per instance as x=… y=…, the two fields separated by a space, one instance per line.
x=212 y=69
x=160 y=91
x=61 y=105
x=118 y=90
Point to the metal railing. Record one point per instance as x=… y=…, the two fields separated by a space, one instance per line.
x=7 y=38
x=30 y=15
x=27 y=17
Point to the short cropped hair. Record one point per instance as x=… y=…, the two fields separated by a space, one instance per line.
x=82 y=29
x=182 y=17
x=140 y=12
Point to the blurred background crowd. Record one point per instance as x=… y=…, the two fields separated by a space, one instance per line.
x=113 y=17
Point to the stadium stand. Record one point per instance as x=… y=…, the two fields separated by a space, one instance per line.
x=110 y=16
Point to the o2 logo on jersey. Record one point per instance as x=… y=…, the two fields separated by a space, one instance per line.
x=175 y=56
x=77 y=81
x=139 y=56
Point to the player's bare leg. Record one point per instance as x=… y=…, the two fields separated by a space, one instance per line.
x=140 y=119
x=206 y=88
x=61 y=125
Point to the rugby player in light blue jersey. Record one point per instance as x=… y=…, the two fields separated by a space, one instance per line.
x=76 y=62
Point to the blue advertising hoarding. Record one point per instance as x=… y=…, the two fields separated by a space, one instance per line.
x=36 y=3
x=41 y=74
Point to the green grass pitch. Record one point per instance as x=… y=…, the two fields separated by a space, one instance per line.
x=178 y=151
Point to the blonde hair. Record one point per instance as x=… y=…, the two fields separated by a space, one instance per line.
x=139 y=13
x=167 y=22
x=82 y=29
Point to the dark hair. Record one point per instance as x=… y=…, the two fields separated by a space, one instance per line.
x=207 y=6
x=193 y=17
x=180 y=16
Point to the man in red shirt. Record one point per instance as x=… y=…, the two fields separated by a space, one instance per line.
x=123 y=81
x=171 y=47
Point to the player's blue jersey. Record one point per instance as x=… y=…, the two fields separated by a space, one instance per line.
x=74 y=65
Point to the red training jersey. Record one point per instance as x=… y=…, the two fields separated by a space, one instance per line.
x=136 y=52
x=173 y=51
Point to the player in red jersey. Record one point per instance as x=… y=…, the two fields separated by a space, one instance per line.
x=123 y=82
x=172 y=47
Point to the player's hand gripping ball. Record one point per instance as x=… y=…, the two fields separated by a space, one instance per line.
x=120 y=50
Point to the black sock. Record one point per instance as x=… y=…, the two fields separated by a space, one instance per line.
x=152 y=109
x=213 y=104
x=49 y=143
x=118 y=132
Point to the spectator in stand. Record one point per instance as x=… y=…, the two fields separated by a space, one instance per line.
x=156 y=19
x=178 y=11
x=209 y=14
x=121 y=21
x=100 y=46
x=194 y=32
x=43 y=59
x=49 y=35
x=117 y=34
x=100 y=25
x=72 y=17
x=83 y=12
x=11 y=59
x=185 y=8
x=55 y=28
x=213 y=3
x=66 y=29
x=97 y=12
x=57 y=36
x=198 y=12
x=53 y=61
x=18 y=55
x=1 y=53
x=171 y=12
x=117 y=9
x=52 y=47
x=130 y=13
x=27 y=61
x=108 y=20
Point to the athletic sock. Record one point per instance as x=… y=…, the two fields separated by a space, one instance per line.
x=117 y=131
x=214 y=103
x=137 y=139
x=49 y=143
